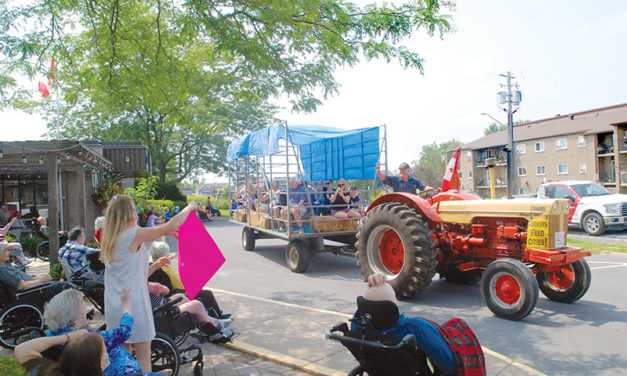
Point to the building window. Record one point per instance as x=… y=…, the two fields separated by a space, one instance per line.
x=468 y=155
x=582 y=168
x=540 y=170
x=539 y=146
x=562 y=169
x=582 y=141
x=521 y=148
x=522 y=191
x=561 y=144
x=469 y=174
x=460 y=174
x=522 y=171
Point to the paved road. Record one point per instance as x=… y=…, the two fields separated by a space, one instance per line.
x=587 y=337
x=617 y=237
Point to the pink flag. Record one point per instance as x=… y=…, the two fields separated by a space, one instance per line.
x=43 y=88
x=199 y=256
x=451 y=176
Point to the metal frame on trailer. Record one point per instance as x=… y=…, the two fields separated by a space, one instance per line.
x=278 y=168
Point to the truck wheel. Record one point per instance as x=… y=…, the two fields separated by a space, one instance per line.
x=248 y=238
x=593 y=224
x=471 y=277
x=566 y=285
x=297 y=256
x=395 y=241
x=509 y=289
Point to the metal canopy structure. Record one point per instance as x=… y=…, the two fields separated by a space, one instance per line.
x=76 y=168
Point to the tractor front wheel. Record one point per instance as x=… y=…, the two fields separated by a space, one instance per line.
x=566 y=285
x=509 y=289
x=395 y=241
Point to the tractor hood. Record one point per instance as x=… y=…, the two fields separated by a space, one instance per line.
x=466 y=211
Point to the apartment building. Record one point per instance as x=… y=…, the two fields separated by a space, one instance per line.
x=588 y=145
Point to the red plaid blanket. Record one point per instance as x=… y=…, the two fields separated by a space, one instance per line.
x=469 y=360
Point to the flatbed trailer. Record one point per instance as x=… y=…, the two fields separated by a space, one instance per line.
x=312 y=155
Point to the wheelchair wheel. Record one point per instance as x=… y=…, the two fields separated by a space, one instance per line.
x=16 y=323
x=180 y=339
x=357 y=371
x=43 y=250
x=164 y=356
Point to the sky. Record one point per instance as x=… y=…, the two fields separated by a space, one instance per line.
x=567 y=56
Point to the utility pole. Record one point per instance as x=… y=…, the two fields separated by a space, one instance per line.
x=512 y=100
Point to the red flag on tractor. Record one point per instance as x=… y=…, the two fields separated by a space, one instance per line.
x=451 y=176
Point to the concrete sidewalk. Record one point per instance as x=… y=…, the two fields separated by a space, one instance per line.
x=293 y=336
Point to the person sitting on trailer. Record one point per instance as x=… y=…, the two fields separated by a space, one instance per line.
x=340 y=199
x=299 y=202
x=354 y=201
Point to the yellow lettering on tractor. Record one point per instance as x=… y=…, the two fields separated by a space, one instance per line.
x=538 y=234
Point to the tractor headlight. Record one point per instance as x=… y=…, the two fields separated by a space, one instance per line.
x=555 y=205
x=612 y=209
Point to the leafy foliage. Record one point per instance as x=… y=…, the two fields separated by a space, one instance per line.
x=494 y=127
x=29 y=245
x=185 y=78
x=431 y=166
x=56 y=272
x=106 y=189
x=169 y=191
x=144 y=190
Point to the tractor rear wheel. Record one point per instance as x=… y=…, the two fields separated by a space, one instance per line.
x=395 y=241
x=566 y=285
x=509 y=289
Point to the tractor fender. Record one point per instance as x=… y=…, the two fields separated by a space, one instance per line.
x=413 y=201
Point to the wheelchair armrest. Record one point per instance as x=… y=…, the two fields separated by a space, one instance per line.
x=167 y=305
x=408 y=339
x=33 y=288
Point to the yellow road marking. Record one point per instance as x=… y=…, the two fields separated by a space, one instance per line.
x=609 y=266
x=320 y=370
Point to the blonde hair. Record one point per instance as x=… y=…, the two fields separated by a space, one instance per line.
x=120 y=211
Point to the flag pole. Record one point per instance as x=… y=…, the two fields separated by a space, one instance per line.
x=56 y=84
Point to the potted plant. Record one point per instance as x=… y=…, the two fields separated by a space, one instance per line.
x=105 y=191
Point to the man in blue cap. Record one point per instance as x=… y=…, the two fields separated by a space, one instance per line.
x=403 y=182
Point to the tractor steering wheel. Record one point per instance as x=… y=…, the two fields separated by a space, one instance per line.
x=428 y=193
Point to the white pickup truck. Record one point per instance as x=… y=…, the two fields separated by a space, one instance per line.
x=593 y=207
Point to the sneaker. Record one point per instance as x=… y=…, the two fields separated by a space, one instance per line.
x=24 y=260
x=222 y=337
x=221 y=324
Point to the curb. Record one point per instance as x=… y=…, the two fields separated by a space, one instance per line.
x=282 y=359
x=610 y=253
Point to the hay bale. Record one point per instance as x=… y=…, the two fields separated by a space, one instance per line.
x=259 y=219
x=328 y=223
x=240 y=215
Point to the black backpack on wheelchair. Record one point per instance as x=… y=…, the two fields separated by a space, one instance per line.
x=380 y=354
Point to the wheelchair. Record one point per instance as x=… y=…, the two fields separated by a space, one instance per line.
x=380 y=354
x=22 y=311
x=42 y=251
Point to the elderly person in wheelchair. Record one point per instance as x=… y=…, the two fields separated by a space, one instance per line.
x=74 y=253
x=447 y=349
x=66 y=313
x=18 y=280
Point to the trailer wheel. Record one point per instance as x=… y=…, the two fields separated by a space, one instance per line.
x=297 y=256
x=248 y=238
x=509 y=289
x=566 y=285
x=395 y=241
x=593 y=224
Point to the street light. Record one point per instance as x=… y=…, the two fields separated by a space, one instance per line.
x=493 y=118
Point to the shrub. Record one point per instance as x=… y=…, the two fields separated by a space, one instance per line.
x=56 y=272
x=169 y=191
x=30 y=244
x=9 y=366
x=10 y=238
x=160 y=204
x=222 y=204
x=201 y=200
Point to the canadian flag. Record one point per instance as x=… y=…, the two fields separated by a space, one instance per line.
x=43 y=88
x=451 y=176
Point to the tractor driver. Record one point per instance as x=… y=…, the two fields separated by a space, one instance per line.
x=403 y=182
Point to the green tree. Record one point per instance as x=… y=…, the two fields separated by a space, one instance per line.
x=494 y=127
x=431 y=166
x=185 y=78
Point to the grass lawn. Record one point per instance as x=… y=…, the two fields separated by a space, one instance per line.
x=9 y=366
x=224 y=212
x=595 y=247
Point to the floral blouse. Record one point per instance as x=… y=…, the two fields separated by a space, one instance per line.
x=121 y=362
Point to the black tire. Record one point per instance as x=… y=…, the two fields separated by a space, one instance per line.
x=180 y=339
x=297 y=256
x=471 y=277
x=16 y=323
x=43 y=250
x=164 y=356
x=409 y=269
x=568 y=284
x=357 y=371
x=248 y=238
x=593 y=224
x=509 y=289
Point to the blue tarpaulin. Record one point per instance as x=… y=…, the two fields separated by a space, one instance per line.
x=325 y=152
